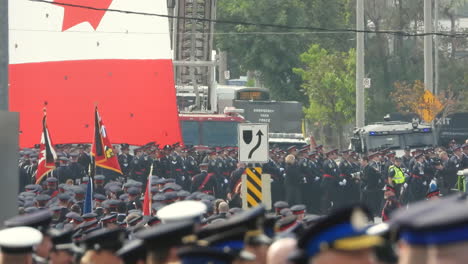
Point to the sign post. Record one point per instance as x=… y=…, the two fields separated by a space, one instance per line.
x=253 y=149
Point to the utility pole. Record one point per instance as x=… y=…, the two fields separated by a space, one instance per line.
x=428 y=63
x=9 y=122
x=436 y=46
x=4 y=55
x=360 y=107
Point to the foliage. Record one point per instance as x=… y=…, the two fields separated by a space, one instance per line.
x=273 y=55
x=329 y=84
x=413 y=98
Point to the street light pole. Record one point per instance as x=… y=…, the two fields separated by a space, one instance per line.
x=428 y=63
x=360 y=69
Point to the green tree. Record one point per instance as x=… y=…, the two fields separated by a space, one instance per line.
x=274 y=54
x=329 y=84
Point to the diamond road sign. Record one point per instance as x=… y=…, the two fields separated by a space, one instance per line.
x=253 y=143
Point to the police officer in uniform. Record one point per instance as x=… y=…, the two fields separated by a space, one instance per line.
x=84 y=158
x=139 y=166
x=407 y=157
x=125 y=159
x=349 y=195
x=396 y=176
x=191 y=165
x=453 y=166
x=277 y=180
x=235 y=183
x=419 y=182
x=313 y=193
x=330 y=181
x=372 y=176
x=177 y=168
x=205 y=181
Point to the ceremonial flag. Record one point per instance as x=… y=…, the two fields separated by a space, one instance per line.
x=72 y=57
x=88 y=202
x=47 y=155
x=148 y=198
x=102 y=150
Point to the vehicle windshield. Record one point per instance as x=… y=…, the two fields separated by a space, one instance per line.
x=190 y=132
x=419 y=139
x=219 y=133
x=387 y=141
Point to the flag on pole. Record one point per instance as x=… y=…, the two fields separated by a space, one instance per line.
x=102 y=151
x=148 y=199
x=88 y=202
x=47 y=155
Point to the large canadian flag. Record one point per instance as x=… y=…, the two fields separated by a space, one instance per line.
x=73 y=58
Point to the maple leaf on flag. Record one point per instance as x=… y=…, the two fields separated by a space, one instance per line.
x=74 y=15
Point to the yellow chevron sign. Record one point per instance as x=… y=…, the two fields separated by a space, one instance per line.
x=254 y=186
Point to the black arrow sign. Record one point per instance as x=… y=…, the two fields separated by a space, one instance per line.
x=259 y=134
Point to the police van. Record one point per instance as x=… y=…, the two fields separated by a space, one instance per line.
x=394 y=135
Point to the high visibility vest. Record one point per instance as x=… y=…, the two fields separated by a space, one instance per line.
x=399 y=177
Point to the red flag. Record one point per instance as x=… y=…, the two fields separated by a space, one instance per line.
x=148 y=199
x=47 y=155
x=102 y=151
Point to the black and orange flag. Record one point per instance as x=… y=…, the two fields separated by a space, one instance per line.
x=102 y=151
x=47 y=155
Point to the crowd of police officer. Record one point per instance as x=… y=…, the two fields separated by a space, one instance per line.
x=313 y=190
x=320 y=179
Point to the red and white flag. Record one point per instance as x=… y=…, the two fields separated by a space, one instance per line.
x=102 y=150
x=73 y=57
x=147 y=200
x=47 y=155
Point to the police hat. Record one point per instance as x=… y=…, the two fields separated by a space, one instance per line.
x=19 y=240
x=105 y=239
x=133 y=191
x=39 y=220
x=373 y=155
x=124 y=146
x=344 y=230
x=166 y=235
x=298 y=209
x=230 y=241
x=99 y=197
x=280 y=205
x=89 y=217
x=99 y=178
x=112 y=218
x=182 y=211
x=62 y=239
x=153 y=220
x=420 y=226
x=332 y=151
x=198 y=254
x=291 y=149
x=420 y=155
x=133 y=251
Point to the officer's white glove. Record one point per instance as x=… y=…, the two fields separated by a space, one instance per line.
x=281 y=169
x=344 y=181
x=317 y=178
x=424 y=183
x=226 y=181
x=405 y=185
x=183 y=178
x=304 y=180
